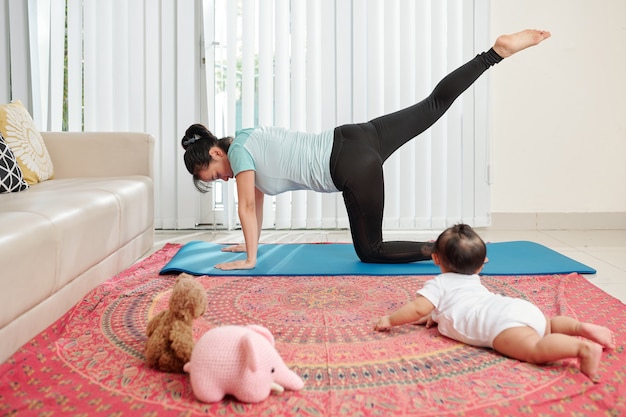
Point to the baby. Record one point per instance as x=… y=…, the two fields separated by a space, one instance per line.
x=466 y=311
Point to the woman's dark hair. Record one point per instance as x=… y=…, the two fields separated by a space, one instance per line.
x=197 y=142
x=460 y=249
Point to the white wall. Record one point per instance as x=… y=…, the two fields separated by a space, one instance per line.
x=559 y=110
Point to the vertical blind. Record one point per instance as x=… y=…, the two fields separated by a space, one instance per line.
x=301 y=64
x=313 y=65
x=118 y=65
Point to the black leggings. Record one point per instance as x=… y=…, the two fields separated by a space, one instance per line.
x=359 y=151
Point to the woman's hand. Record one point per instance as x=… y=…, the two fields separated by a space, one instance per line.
x=234 y=248
x=240 y=264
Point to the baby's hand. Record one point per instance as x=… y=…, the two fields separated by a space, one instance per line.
x=427 y=320
x=383 y=324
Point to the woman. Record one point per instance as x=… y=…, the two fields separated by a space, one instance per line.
x=349 y=159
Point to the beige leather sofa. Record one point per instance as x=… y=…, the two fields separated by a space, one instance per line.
x=62 y=237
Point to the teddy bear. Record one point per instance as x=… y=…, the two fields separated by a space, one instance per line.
x=170 y=337
x=241 y=361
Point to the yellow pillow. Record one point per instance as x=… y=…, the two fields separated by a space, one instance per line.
x=22 y=136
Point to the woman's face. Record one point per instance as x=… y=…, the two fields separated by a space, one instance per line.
x=218 y=169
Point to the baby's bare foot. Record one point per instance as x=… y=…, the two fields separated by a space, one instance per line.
x=590 y=355
x=598 y=334
x=507 y=45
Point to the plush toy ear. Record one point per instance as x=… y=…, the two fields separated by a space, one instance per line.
x=263 y=331
x=249 y=355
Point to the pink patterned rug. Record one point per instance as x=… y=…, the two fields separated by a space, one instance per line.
x=91 y=363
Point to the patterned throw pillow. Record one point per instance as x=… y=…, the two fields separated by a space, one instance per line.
x=11 y=178
x=22 y=136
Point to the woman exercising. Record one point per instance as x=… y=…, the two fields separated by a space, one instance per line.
x=349 y=158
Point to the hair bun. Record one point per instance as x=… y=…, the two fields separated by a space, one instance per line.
x=194 y=133
x=187 y=141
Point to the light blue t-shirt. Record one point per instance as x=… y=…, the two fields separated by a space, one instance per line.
x=284 y=160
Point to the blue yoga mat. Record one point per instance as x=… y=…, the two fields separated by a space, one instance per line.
x=291 y=259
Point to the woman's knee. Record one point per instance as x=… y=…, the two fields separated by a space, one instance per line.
x=367 y=252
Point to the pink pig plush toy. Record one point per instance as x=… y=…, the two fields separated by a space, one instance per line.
x=241 y=361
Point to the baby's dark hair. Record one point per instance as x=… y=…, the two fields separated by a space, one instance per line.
x=460 y=249
x=197 y=142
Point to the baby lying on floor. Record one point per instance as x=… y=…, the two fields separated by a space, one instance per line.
x=468 y=312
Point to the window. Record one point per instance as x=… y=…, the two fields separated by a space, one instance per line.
x=313 y=65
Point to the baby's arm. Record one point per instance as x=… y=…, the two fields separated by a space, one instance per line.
x=408 y=313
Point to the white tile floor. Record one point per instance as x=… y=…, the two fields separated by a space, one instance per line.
x=603 y=250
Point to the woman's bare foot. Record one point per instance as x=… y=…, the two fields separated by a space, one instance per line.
x=427 y=248
x=598 y=334
x=507 y=45
x=590 y=355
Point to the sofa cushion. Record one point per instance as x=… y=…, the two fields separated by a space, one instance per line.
x=92 y=217
x=28 y=255
x=25 y=140
x=11 y=178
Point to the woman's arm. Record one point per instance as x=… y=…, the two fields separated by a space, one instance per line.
x=248 y=216
x=258 y=200
x=259 y=196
